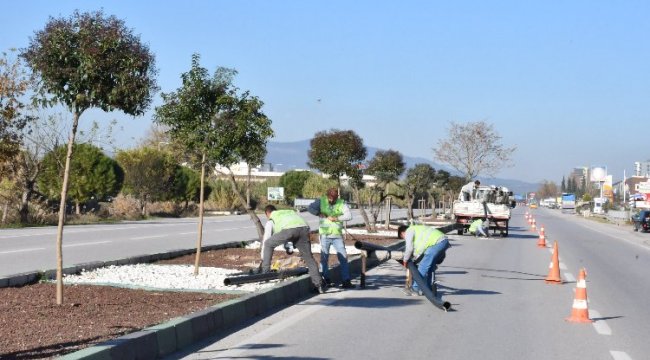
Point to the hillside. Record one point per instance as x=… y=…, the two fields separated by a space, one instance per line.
x=293 y=155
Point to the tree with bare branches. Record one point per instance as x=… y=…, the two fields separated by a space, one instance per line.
x=473 y=149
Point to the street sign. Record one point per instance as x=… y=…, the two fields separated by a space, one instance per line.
x=275 y=193
x=643 y=187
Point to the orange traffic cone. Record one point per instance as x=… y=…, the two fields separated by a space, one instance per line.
x=534 y=225
x=542 y=238
x=580 y=310
x=554 y=267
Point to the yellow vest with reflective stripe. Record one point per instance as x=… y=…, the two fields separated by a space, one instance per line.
x=475 y=225
x=424 y=237
x=326 y=226
x=286 y=219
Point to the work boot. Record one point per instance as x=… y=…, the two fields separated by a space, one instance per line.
x=409 y=292
x=347 y=284
x=320 y=289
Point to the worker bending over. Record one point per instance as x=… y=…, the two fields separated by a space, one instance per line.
x=468 y=191
x=288 y=226
x=426 y=247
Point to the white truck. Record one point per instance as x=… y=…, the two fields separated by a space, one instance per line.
x=491 y=204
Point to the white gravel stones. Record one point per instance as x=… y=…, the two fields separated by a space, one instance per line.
x=171 y=277
x=355 y=231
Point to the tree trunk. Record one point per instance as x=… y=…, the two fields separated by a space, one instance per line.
x=77 y=208
x=5 y=210
x=28 y=185
x=251 y=212
x=409 y=207
x=144 y=206
x=199 y=238
x=388 y=208
x=62 y=208
x=248 y=188
x=357 y=196
x=24 y=203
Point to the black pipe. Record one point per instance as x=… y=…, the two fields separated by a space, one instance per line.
x=362 y=245
x=444 y=305
x=244 y=279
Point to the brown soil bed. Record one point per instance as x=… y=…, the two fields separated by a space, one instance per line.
x=34 y=327
x=248 y=259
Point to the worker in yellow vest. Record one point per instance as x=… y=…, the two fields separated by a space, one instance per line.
x=426 y=246
x=477 y=228
x=332 y=212
x=285 y=226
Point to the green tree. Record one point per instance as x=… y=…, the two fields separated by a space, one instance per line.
x=148 y=174
x=386 y=166
x=419 y=179
x=208 y=116
x=244 y=130
x=188 y=113
x=14 y=83
x=89 y=60
x=315 y=186
x=338 y=153
x=186 y=186
x=294 y=182
x=473 y=149
x=93 y=175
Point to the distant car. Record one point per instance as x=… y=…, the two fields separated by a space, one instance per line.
x=533 y=206
x=642 y=221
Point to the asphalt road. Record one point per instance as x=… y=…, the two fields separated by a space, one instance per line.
x=23 y=250
x=503 y=309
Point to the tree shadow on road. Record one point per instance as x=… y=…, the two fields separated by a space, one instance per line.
x=536 y=276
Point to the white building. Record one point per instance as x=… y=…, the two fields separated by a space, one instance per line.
x=642 y=168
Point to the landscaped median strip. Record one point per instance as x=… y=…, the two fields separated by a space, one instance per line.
x=164 y=339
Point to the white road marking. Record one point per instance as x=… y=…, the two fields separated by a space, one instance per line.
x=620 y=355
x=188 y=233
x=21 y=250
x=569 y=277
x=600 y=325
x=147 y=237
x=86 y=244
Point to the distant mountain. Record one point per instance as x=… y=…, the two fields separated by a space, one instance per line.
x=285 y=156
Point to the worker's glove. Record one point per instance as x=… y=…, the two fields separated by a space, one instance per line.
x=405 y=263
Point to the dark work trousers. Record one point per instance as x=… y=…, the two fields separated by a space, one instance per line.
x=300 y=238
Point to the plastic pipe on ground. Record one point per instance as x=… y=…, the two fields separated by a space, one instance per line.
x=444 y=305
x=244 y=279
x=362 y=245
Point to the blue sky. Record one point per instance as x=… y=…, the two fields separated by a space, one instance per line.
x=568 y=83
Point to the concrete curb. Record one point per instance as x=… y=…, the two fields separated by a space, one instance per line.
x=164 y=339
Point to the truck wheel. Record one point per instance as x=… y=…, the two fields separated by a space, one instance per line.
x=460 y=232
